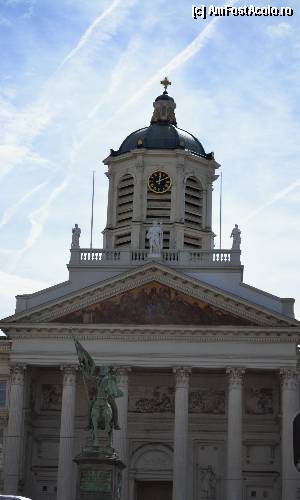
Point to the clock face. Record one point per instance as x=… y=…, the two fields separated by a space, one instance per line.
x=159 y=182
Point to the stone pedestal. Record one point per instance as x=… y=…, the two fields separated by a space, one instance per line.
x=99 y=475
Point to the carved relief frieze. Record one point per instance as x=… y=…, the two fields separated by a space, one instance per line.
x=159 y=399
x=260 y=401
x=51 y=397
x=207 y=401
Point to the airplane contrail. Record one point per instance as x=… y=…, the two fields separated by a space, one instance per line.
x=183 y=56
x=38 y=217
x=10 y=211
x=88 y=33
x=278 y=196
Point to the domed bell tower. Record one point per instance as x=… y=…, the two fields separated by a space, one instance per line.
x=160 y=173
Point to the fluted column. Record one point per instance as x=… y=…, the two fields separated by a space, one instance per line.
x=234 y=483
x=14 y=431
x=65 y=477
x=120 y=437
x=181 y=434
x=289 y=406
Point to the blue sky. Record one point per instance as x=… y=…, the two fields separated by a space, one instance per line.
x=77 y=76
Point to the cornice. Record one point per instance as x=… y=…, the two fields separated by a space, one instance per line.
x=148 y=333
x=144 y=274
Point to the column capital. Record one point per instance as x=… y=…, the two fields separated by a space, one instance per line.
x=17 y=373
x=69 y=374
x=236 y=375
x=182 y=375
x=289 y=377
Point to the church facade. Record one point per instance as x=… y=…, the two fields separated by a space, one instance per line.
x=207 y=364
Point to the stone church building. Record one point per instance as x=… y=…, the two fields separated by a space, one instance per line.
x=207 y=363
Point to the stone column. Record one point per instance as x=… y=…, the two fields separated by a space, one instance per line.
x=234 y=482
x=120 y=438
x=65 y=476
x=180 y=460
x=289 y=406
x=14 y=431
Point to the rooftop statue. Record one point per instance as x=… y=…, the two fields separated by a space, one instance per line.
x=236 y=238
x=155 y=237
x=76 y=232
x=102 y=390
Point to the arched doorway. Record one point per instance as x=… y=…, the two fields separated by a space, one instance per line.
x=151 y=472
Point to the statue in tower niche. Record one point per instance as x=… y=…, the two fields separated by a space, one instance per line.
x=155 y=237
x=236 y=238
x=208 y=483
x=76 y=232
x=102 y=390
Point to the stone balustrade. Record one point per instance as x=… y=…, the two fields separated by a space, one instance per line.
x=188 y=258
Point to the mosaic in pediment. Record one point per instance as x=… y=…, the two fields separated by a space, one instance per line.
x=154 y=304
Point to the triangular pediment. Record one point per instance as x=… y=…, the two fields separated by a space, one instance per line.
x=153 y=304
x=150 y=294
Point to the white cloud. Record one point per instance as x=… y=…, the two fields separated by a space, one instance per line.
x=12 y=284
x=280 y=30
x=109 y=12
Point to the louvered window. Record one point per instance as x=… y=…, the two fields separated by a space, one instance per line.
x=193 y=203
x=158 y=206
x=192 y=241
x=125 y=200
x=123 y=240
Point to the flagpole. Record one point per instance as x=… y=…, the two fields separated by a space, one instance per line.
x=92 y=216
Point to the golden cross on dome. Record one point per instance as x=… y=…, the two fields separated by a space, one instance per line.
x=166 y=84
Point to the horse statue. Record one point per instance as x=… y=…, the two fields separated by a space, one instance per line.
x=102 y=389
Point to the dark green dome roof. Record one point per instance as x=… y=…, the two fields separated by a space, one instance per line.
x=161 y=136
x=162 y=132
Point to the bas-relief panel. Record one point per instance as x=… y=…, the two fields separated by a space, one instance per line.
x=160 y=399
x=207 y=401
x=153 y=304
x=208 y=478
x=157 y=399
x=259 y=401
x=51 y=397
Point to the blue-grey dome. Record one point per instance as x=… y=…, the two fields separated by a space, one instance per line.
x=161 y=136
